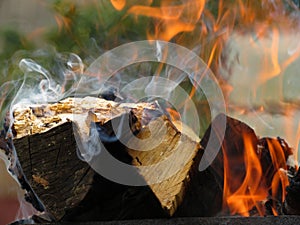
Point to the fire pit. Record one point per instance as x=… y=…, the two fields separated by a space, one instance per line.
x=198 y=124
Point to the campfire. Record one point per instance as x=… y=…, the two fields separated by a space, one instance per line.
x=199 y=120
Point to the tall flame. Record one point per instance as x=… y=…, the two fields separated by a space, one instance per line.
x=118 y=4
x=245 y=193
x=171 y=19
x=263 y=176
x=207 y=27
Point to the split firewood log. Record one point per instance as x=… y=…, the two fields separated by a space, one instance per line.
x=71 y=190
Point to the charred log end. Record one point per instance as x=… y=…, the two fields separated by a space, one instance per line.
x=279 y=168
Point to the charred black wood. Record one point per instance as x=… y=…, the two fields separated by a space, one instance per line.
x=107 y=200
x=204 y=196
x=110 y=93
x=233 y=148
x=275 y=154
x=292 y=201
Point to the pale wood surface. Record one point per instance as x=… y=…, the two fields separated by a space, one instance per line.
x=48 y=152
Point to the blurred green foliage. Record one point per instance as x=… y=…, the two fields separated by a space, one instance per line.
x=86 y=29
x=12 y=41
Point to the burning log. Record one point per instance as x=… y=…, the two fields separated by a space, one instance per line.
x=251 y=173
x=204 y=201
x=71 y=190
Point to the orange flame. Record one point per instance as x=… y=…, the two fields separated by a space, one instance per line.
x=63 y=22
x=118 y=4
x=246 y=193
x=266 y=42
x=258 y=180
x=171 y=19
x=173 y=114
x=280 y=179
